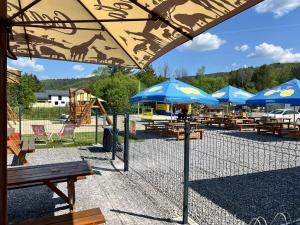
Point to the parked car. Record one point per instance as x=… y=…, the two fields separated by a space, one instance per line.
x=283 y=114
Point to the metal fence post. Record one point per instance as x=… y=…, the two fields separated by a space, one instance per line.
x=20 y=121
x=96 y=137
x=115 y=138
x=186 y=173
x=126 y=142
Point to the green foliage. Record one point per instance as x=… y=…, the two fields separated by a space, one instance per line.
x=148 y=77
x=23 y=93
x=116 y=90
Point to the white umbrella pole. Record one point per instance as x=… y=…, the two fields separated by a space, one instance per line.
x=171 y=112
x=294 y=115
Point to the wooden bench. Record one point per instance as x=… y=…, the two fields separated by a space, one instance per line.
x=20 y=149
x=85 y=217
x=251 y=126
x=49 y=174
x=194 y=134
x=154 y=127
x=264 y=128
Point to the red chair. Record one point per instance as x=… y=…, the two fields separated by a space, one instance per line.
x=41 y=134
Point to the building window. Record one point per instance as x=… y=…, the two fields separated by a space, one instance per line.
x=56 y=103
x=59 y=97
x=62 y=102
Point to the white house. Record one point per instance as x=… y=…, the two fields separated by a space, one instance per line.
x=52 y=98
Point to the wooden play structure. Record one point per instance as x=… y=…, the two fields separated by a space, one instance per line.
x=81 y=104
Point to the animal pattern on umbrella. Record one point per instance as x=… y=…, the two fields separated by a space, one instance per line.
x=118 y=43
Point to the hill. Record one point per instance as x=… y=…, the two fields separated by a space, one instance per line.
x=252 y=79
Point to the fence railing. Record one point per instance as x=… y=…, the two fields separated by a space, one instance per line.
x=233 y=176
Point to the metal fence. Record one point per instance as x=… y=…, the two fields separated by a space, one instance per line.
x=53 y=121
x=233 y=176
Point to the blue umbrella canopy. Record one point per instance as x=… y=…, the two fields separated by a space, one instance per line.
x=232 y=94
x=174 y=91
x=286 y=93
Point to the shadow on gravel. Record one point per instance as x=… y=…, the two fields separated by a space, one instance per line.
x=34 y=202
x=146 y=216
x=258 y=194
x=97 y=170
x=264 y=137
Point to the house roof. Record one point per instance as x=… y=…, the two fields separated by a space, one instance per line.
x=45 y=95
x=41 y=95
x=57 y=93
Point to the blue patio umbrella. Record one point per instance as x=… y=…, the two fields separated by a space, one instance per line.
x=255 y=97
x=175 y=92
x=286 y=93
x=232 y=95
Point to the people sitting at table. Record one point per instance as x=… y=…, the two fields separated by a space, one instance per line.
x=184 y=113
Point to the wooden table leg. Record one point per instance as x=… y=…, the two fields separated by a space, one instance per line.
x=71 y=194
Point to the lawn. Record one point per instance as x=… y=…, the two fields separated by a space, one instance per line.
x=81 y=139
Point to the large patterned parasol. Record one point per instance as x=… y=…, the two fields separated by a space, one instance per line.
x=128 y=33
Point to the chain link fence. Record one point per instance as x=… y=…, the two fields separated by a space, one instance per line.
x=234 y=176
x=31 y=123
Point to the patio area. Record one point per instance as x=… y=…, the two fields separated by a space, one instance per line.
x=122 y=200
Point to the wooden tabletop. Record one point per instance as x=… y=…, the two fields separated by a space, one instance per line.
x=49 y=172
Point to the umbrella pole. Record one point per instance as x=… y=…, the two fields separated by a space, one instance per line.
x=3 y=114
x=294 y=116
x=171 y=112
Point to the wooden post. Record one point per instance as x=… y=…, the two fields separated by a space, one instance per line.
x=3 y=114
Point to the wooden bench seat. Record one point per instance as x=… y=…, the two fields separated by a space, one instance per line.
x=85 y=217
x=252 y=126
x=194 y=134
x=154 y=127
x=18 y=186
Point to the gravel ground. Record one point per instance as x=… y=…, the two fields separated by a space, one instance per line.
x=123 y=199
x=234 y=176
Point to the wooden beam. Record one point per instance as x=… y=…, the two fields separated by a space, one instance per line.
x=3 y=114
x=23 y=10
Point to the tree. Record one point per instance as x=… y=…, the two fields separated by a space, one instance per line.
x=148 y=77
x=116 y=90
x=179 y=73
x=201 y=71
x=22 y=94
x=165 y=70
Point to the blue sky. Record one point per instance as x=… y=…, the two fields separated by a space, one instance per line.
x=265 y=34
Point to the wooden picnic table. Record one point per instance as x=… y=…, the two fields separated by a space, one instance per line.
x=49 y=174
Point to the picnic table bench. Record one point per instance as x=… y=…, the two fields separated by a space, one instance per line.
x=49 y=174
x=194 y=134
x=85 y=217
x=19 y=147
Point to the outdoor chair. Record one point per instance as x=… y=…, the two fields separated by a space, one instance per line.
x=41 y=134
x=67 y=133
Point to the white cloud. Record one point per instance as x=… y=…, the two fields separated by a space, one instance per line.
x=11 y=68
x=203 y=42
x=78 y=68
x=242 y=48
x=29 y=64
x=277 y=7
x=275 y=53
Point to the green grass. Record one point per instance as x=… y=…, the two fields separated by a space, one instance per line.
x=81 y=139
x=44 y=113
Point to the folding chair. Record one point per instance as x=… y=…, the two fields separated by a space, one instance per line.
x=41 y=134
x=67 y=133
